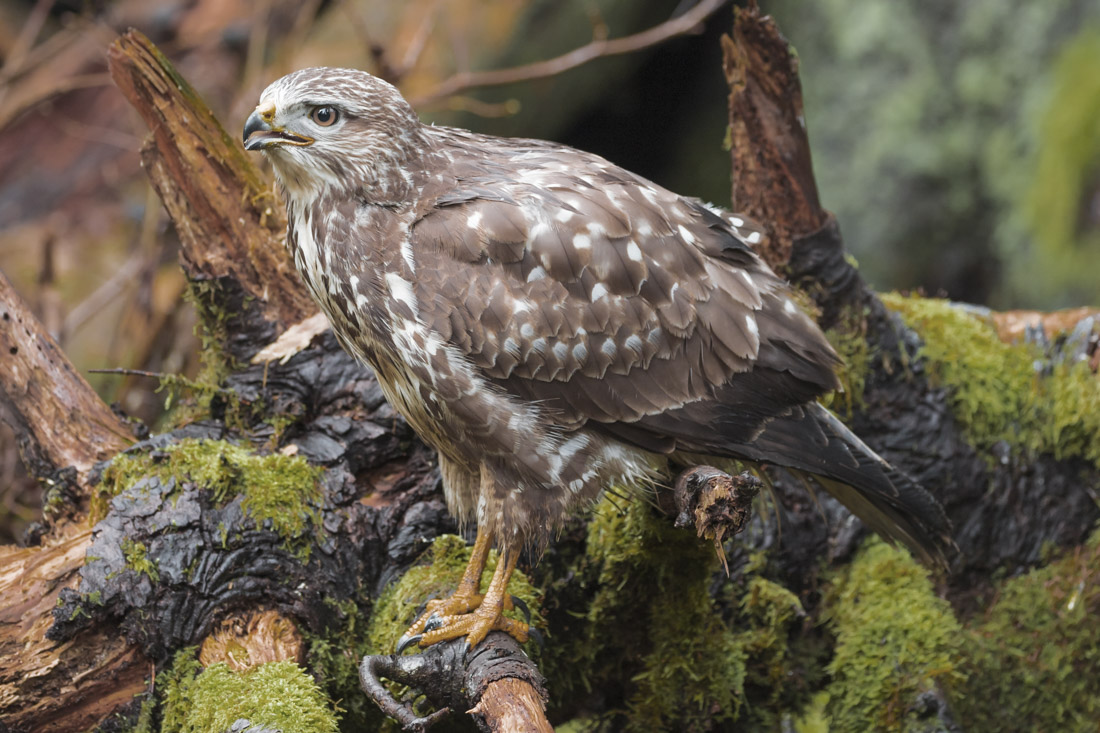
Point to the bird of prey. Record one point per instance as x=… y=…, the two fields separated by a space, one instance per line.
x=552 y=325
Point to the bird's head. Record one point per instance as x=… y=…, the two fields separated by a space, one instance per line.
x=337 y=130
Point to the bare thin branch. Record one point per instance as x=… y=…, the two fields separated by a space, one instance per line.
x=598 y=48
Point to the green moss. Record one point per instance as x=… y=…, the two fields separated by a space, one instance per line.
x=138 y=560
x=213 y=332
x=275 y=487
x=277 y=695
x=651 y=619
x=850 y=342
x=996 y=394
x=1034 y=656
x=334 y=659
x=146 y=717
x=813 y=718
x=445 y=560
x=894 y=639
x=770 y=614
x=174 y=689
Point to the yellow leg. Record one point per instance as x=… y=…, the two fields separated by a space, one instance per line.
x=467 y=613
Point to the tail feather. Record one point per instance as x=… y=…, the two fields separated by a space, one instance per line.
x=812 y=440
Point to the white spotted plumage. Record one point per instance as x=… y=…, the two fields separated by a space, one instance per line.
x=550 y=323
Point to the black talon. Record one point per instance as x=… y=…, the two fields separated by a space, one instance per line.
x=407 y=641
x=522 y=606
x=434 y=622
x=465 y=647
x=536 y=636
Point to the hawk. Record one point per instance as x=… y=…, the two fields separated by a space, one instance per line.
x=552 y=325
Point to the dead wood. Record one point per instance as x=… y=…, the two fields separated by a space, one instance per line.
x=904 y=418
x=495 y=682
x=64 y=429
x=229 y=222
x=50 y=686
x=247 y=640
x=61 y=421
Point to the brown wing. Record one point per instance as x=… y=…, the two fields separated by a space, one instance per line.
x=624 y=308
x=611 y=301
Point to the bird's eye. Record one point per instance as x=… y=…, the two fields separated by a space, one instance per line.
x=324 y=116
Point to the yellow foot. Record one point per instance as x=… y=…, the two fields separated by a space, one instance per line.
x=470 y=614
x=474 y=626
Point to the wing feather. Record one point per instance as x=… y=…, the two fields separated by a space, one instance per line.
x=621 y=304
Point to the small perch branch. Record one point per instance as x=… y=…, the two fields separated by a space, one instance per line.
x=60 y=419
x=597 y=48
x=717 y=504
x=496 y=683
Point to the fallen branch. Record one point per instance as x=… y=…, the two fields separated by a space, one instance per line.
x=44 y=685
x=60 y=420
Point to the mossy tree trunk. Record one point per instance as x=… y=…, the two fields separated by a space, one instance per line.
x=291 y=485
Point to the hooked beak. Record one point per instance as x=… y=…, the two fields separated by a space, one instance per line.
x=260 y=134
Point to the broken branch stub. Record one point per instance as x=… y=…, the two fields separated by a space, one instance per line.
x=773 y=176
x=229 y=221
x=59 y=418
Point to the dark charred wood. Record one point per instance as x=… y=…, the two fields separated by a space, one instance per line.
x=212 y=559
x=1003 y=510
x=452 y=679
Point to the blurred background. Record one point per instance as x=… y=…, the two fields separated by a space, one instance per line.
x=957 y=143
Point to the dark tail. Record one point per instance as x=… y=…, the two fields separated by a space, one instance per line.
x=812 y=440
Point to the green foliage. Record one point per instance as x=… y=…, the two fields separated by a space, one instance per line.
x=996 y=393
x=277 y=488
x=396 y=608
x=894 y=639
x=277 y=695
x=925 y=119
x=1034 y=656
x=138 y=560
x=1066 y=169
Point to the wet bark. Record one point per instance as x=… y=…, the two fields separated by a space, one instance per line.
x=88 y=630
x=85 y=612
x=906 y=419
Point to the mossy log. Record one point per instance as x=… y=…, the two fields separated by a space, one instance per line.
x=910 y=419
x=292 y=486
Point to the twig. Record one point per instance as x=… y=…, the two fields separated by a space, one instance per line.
x=597 y=48
x=130 y=372
x=418 y=41
x=26 y=38
x=104 y=294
